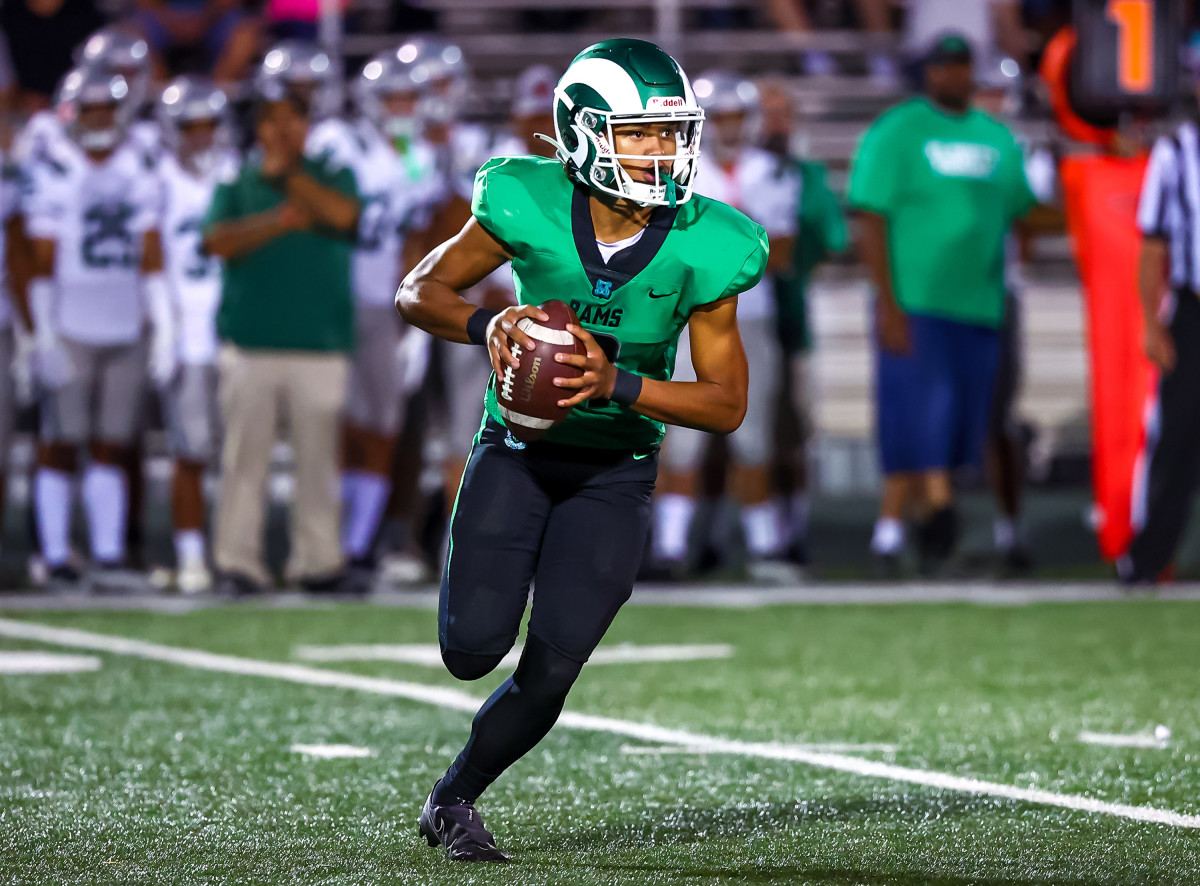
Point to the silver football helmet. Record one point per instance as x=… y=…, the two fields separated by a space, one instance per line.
x=442 y=73
x=299 y=68
x=193 y=100
x=86 y=90
x=122 y=52
x=388 y=92
x=722 y=93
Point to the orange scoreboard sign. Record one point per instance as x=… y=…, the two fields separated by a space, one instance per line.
x=1127 y=57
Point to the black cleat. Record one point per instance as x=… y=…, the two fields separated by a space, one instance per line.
x=460 y=829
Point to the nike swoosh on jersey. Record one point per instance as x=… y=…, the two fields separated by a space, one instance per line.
x=654 y=294
x=638 y=456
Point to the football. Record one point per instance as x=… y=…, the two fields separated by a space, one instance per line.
x=527 y=395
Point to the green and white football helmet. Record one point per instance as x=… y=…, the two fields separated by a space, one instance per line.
x=626 y=81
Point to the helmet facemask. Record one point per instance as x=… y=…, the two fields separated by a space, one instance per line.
x=94 y=107
x=586 y=146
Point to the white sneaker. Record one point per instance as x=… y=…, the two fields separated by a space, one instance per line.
x=194 y=578
x=403 y=569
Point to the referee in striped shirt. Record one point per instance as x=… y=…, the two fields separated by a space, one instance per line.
x=1168 y=216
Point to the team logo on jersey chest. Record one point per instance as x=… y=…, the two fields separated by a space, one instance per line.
x=597 y=315
x=603 y=289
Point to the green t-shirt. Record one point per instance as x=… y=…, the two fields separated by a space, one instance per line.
x=635 y=305
x=294 y=293
x=950 y=187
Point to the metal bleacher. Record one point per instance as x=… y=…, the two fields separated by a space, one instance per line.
x=833 y=112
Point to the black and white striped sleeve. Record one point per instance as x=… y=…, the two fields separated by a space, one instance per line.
x=1159 y=188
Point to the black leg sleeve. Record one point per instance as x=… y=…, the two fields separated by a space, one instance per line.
x=511 y=722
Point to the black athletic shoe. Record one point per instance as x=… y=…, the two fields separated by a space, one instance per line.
x=238 y=586
x=64 y=575
x=460 y=829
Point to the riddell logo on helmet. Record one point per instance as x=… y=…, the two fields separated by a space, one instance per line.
x=659 y=101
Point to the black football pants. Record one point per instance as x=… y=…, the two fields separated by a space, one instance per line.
x=573 y=523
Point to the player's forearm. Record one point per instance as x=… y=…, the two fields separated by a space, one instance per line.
x=872 y=247
x=1152 y=277
x=329 y=207
x=431 y=305
x=244 y=235
x=705 y=406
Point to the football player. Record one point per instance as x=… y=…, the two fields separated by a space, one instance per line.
x=92 y=214
x=195 y=121
x=613 y=226
x=306 y=71
x=400 y=186
x=768 y=190
x=462 y=148
x=128 y=54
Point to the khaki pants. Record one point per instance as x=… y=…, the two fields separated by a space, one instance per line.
x=257 y=388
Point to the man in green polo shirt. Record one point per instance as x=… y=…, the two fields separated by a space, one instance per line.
x=938 y=185
x=284 y=226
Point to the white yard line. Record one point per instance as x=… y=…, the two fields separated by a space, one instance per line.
x=644 y=732
x=1116 y=740
x=331 y=751
x=429 y=655
x=46 y=663
x=833 y=747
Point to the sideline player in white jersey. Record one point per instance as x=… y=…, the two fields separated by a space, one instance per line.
x=9 y=195
x=194 y=115
x=462 y=148
x=400 y=187
x=92 y=211
x=128 y=54
x=768 y=190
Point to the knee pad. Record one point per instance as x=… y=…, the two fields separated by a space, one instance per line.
x=469 y=665
x=544 y=673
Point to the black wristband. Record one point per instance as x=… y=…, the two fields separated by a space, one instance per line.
x=477 y=325
x=627 y=388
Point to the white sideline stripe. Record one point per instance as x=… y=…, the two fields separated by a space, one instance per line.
x=1116 y=740
x=46 y=663
x=709 y=597
x=837 y=747
x=544 y=333
x=331 y=751
x=527 y=421
x=429 y=655
x=644 y=732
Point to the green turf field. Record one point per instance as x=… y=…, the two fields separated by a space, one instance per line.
x=179 y=771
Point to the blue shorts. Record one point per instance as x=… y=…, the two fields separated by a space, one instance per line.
x=934 y=403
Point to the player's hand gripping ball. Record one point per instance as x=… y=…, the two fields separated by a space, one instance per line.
x=525 y=388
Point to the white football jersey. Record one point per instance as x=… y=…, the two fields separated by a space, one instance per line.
x=768 y=191
x=194 y=275
x=97 y=214
x=39 y=132
x=398 y=194
x=147 y=136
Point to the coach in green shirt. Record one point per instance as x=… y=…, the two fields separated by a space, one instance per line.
x=937 y=185
x=284 y=226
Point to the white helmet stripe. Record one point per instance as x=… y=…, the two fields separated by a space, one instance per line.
x=607 y=78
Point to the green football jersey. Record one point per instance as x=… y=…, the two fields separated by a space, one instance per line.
x=635 y=305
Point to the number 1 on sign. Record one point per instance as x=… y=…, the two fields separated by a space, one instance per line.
x=1135 y=43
